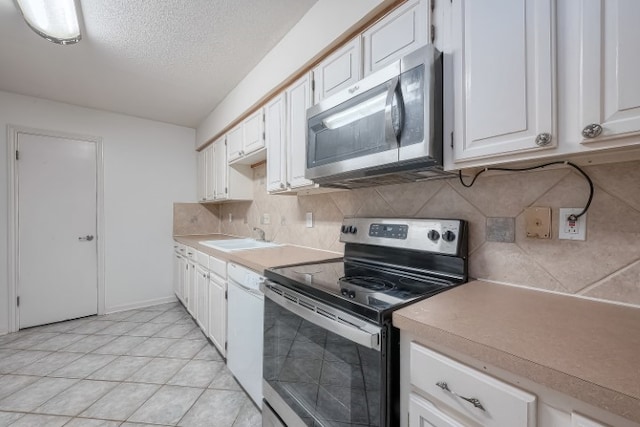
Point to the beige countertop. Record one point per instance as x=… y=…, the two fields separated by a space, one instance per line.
x=259 y=259
x=585 y=349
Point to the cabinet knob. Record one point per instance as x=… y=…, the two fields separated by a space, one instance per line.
x=543 y=139
x=592 y=131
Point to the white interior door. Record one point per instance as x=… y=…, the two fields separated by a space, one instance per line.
x=57 y=198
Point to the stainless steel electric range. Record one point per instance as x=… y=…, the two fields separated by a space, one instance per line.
x=331 y=354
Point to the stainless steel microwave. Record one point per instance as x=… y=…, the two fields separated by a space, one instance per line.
x=385 y=129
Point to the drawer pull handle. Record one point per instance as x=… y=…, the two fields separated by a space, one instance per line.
x=475 y=402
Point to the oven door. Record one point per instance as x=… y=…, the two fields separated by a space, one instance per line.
x=322 y=367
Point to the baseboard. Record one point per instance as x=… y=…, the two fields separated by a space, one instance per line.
x=140 y=304
x=4 y=332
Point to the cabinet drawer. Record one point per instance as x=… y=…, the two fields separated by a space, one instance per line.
x=217 y=266
x=504 y=405
x=203 y=259
x=190 y=253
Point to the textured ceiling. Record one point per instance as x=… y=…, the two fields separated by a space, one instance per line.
x=165 y=60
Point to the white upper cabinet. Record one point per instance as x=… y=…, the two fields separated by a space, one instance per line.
x=400 y=32
x=610 y=70
x=210 y=173
x=235 y=143
x=246 y=139
x=298 y=100
x=201 y=169
x=504 y=77
x=253 y=132
x=275 y=136
x=221 y=168
x=339 y=70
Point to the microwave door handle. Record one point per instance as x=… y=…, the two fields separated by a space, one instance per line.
x=391 y=134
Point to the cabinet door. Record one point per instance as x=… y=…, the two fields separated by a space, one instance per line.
x=503 y=77
x=178 y=275
x=201 y=169
x=191 y=288
x=423 y=413
x=234 y=143
x=299 y=99
x=338 y=71
x=253 y=132
x=183 y=278
x=202 y=298
x=218 y=313
x=400 y=32
x=210 y=176
x=610 y=66
x=221 y=169
x=276 y=139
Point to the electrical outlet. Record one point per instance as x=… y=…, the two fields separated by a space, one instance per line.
x=309 y=218
x=572 y=230
x=266 y=219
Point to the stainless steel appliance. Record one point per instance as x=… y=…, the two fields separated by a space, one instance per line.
x=385 y=129
x=331 y=354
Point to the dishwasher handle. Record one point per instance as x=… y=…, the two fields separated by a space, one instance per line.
x=252 y=291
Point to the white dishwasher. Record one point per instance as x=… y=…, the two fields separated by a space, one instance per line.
x=245 y=310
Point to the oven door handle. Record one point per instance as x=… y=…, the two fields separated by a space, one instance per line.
x=367 y=336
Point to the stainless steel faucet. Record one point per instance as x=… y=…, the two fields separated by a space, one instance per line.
x=260 y=233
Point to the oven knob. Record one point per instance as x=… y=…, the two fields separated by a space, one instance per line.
x=344 y=229
x=433 y=235
x=344 y=292
x=352 y=294
x=353 y=229
x=448 y=236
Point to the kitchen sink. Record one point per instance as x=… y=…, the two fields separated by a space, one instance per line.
x=237 y=244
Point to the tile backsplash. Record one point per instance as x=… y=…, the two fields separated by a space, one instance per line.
x=605 y=266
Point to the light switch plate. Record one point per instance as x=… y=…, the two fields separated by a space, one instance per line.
x=309 y=219
x=266 y=219
x=538 y=222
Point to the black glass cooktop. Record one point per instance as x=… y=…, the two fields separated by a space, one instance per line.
x=366 y=290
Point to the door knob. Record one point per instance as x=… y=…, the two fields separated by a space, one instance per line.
x=87 y=238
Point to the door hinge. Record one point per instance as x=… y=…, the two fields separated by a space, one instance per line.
x=225 y=345
x=433 y=33
x=17 y=155
x=433 y=5
x=313 y=84
x=264 y=136
x=451 y=139
x=18 y=301
x=226 y=190
x=226 y=294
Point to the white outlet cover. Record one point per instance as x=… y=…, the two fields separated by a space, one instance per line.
x=266 y=218
x=568 y=232
x=309 y=218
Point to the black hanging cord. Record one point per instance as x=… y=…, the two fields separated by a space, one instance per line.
x=572 y=217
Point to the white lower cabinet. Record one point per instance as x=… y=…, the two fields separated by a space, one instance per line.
x=423 y=413
x=179 y=275
x=200 y=283
x=217 y=306
x=457 y=395
x=202 y=298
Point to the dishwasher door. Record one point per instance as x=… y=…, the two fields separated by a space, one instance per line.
x=244 y=333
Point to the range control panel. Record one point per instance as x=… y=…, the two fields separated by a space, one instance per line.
x=389 y=231
x=434 y=235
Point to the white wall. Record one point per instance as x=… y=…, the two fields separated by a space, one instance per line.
x=148 y=165
x=325 y=22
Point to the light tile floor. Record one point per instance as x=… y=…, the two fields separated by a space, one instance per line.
x=146 y=367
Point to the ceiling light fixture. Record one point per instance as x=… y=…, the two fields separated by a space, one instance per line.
x=56 y=21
